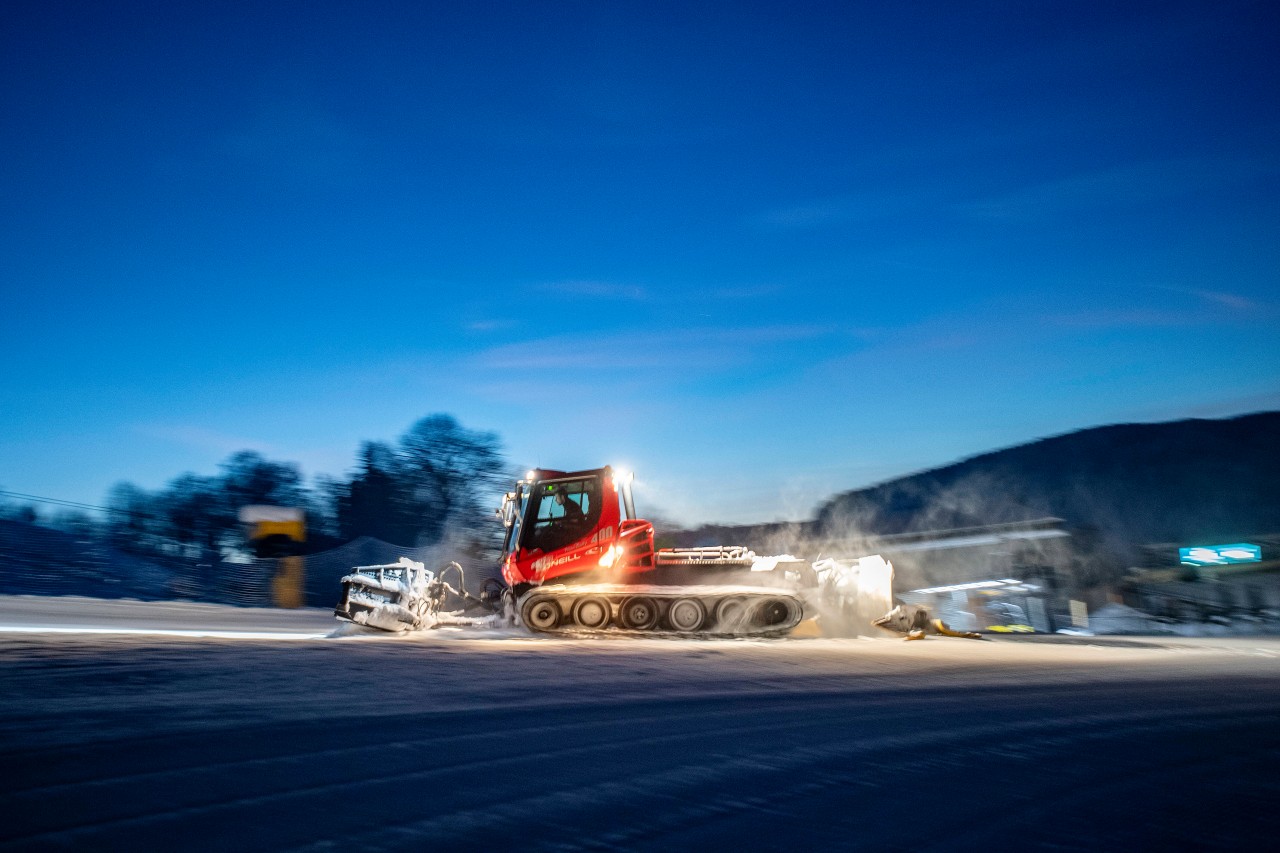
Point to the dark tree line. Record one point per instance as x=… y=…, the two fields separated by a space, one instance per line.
x=438 y=480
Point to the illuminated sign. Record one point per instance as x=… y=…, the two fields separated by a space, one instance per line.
x=1220 y=555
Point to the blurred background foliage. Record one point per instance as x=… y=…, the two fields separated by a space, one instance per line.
x=437 y=481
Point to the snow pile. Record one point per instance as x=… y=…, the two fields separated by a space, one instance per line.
x=388 y=617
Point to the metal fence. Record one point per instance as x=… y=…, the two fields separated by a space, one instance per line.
x=37 y=560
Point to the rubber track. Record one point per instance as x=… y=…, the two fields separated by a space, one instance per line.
x=614 y=630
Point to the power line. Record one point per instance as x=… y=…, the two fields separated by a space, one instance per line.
x=61 y=502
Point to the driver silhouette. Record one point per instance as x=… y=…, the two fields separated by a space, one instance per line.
x=572 y=510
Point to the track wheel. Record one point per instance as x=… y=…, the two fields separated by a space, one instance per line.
x=541 y=613
x=592 y=612
x=771 y=612
x=731 y=614
x=639 y=613
x=686 y=614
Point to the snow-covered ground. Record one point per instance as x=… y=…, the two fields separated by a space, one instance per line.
x=27 y=613
x=76 y=654
x=272 y=730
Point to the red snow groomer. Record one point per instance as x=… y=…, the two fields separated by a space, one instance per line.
x=575 y=559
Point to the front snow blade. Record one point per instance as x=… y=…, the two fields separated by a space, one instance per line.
x=390 y=597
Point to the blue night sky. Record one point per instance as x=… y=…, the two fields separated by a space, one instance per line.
x=758 y=252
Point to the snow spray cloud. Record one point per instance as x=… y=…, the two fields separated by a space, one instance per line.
x=882 y=519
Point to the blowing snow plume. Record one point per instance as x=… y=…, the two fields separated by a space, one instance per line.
x=852 y=595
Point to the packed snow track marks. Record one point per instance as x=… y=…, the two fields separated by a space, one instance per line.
x=641 y=776
x=455 y=743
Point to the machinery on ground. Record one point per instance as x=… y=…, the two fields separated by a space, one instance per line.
x=576 y=559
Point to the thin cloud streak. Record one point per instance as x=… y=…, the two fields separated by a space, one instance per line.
x=1135 y=184
x=488 y=325
x=1228 y=300
x=1121 y=318
x=687 y=349
x=202 y=438
x=595 y=289
x=1219 y=298
x=836 y=211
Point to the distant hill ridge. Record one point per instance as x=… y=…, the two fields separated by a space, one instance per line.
x=1209 y=481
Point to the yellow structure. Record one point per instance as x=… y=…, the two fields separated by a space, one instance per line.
x=278 y=532
x=287 y=588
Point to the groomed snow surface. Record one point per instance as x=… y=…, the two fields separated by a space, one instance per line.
x=273 y=731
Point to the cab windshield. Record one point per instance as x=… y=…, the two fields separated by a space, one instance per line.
x=561 y=512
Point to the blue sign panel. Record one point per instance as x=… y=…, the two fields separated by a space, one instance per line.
x=1220 y=555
